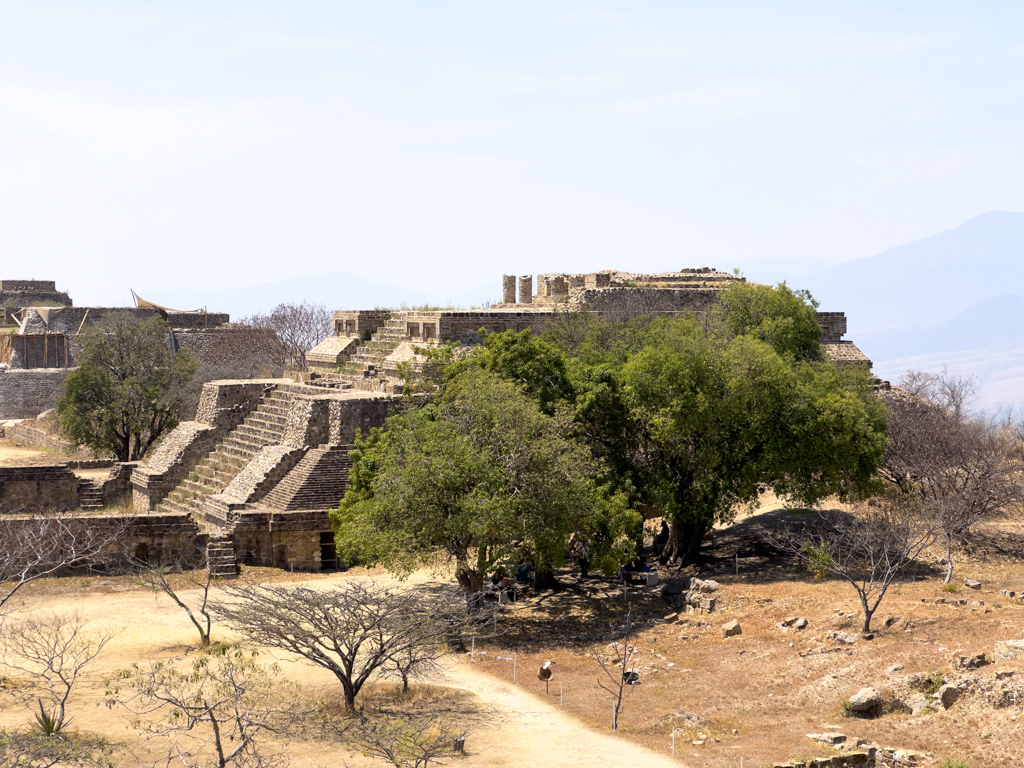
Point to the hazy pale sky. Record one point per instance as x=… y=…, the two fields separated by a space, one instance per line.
x=437 y=145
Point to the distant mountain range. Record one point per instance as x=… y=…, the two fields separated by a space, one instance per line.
x=955 y=298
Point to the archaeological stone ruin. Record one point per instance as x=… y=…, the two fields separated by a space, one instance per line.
x=253 y=476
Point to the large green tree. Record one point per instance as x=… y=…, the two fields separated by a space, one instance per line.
x=485 y=477
x=722 y=418
x=129 y=387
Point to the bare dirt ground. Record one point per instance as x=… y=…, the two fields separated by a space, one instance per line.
x=507 y=726
x=754 y=697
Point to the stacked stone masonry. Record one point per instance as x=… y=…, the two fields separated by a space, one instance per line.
x=260 y=467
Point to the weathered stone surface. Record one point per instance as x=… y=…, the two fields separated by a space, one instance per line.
x=917 y=703
x=731 y=629
x=972 y=583
x=1009 y=649
x=977 y=661
x=865 y=700
x=801 y=623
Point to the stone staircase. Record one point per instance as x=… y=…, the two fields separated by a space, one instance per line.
x=318 y=481
x=90 y=495
x=370 y=358
x=264 y=426
x=220 y=556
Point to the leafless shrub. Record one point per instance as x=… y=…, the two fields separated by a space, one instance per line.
x=869 y=549
x=355 y=630
x=193 y=573
x=966 y=468
x=618 y=676
x=405 y=742
x=54 y=650
x=36 y=546
x=214 y=711
x=299 y=328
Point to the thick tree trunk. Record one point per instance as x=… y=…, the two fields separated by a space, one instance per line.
x=684 y=540
x=472 y=583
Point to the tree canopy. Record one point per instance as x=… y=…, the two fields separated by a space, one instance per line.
x=483 y=475
x=128 y=389
x=527 y=441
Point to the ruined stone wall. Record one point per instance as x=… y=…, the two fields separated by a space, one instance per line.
x=159 y=538
x=833 y=325
x=612 y=301
x=362 y=323
x=38 y=489
x=24 y=394
x=29 y=293
x=21 y=433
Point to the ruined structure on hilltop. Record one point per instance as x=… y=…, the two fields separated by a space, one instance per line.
x=41 y=347
x=253 y=477
x=369 y=345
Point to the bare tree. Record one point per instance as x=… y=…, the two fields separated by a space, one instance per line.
x=54 y=650
x=869 y=549
x=36 y=546
x=619 y=676
x=193 y=574
x=299 y=328
x=31 y=749
x=966 y=468
x=415 y=662
x=406 y=742
x=213 y=712
x=354 y=630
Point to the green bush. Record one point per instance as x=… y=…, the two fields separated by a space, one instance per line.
x=953 y=762
x=951 y=587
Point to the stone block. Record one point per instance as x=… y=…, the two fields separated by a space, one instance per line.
x=731 y=629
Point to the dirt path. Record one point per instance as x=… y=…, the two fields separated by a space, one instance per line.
x=512 y=729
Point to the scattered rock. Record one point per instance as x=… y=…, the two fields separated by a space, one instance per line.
x=832 y=738
x=801 y=623
x=846 y=638
x=731 y=628
x=947 y=695
x=894 y=669
x=866 y=701
x=972 y=583
x=671 y=618
x=1004 y=674
x=1008 y=593
x=788 y=622
x=977 y=661
x=890 y=620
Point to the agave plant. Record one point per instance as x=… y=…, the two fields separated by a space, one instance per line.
x=50 y=723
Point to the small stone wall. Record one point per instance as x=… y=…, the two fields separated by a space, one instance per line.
x=361 y=323
x=24 y=394
x=38 y=489
x=20 y=433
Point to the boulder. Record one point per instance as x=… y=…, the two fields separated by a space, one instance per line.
x=846 y=638
x=707 y=604
x=731 y=629
x=1008 y=593
x=866 y=700
x=947 y=695
x=801 y=623
x=972 y=583
x=671 y=618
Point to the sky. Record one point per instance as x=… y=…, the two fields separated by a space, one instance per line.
x=438 y=145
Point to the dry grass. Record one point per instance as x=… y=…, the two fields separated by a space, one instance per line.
x=773 y=686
